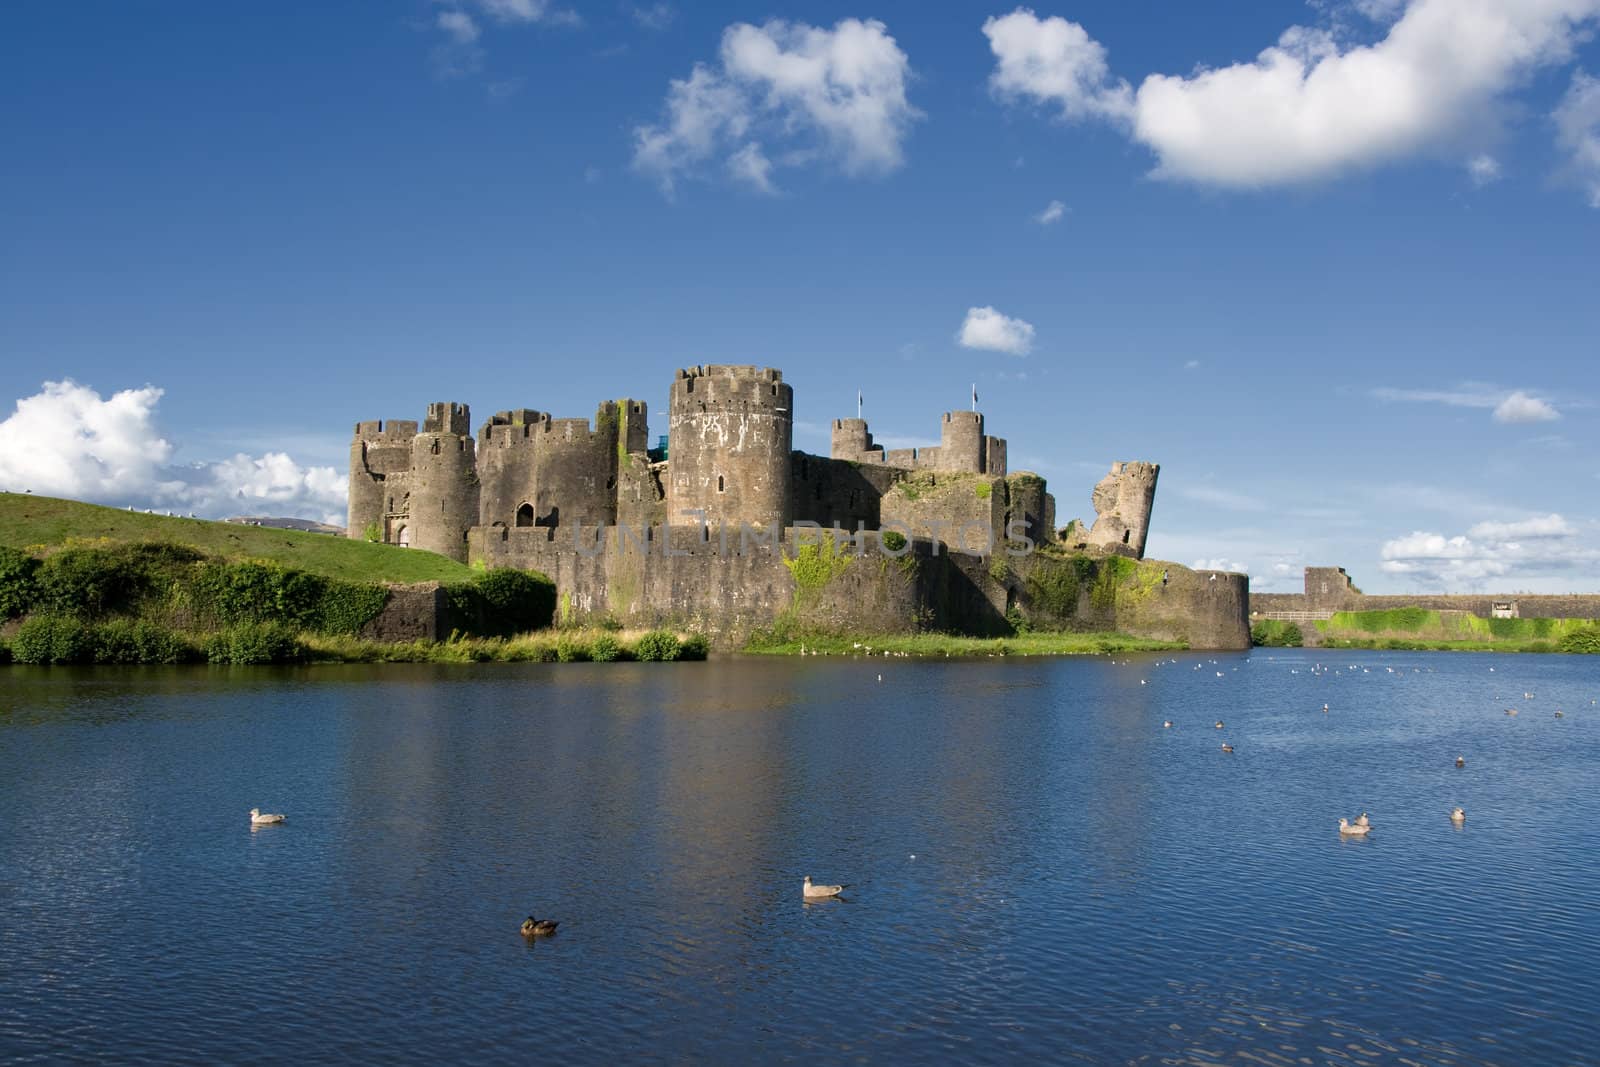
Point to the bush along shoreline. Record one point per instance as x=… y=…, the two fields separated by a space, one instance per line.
x=158 y=603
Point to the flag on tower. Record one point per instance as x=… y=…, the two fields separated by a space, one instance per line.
x=974 y=396
x=858 y=403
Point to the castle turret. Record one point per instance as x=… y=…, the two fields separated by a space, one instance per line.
x=961 y=446
x=378 y=451
x=853 y=441
x=730 y=433
x=444 y=483
x=1122 y=503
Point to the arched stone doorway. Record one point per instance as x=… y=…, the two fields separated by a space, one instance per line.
x=525 y=515
x=402 y=537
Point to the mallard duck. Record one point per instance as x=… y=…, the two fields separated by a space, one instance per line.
x=1219 y=724
x=258 y=819
x=1352 y=830
x=819 y=892
x=1458 y=816
x=532 y=927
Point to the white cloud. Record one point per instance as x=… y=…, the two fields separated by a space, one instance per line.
x=459 y=26
x=67 y=440
x=1053 y=212
x=1220 y=563
x=654 y=17
x=1551 y=525
x=1311 y=106
x=1515 y=405
x=1578 y=132
x=750 y=164
x=1191 y=364
x=1520 y=407
x=1514 y=550
x=837 y=95
x=988 y=329
x=1054 y=61
x=1483 y=169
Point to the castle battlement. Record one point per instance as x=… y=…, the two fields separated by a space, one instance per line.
x=448 y=418
x=391 y=431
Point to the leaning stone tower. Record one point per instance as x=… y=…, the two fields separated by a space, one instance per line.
x=444 y=482
x=730 y=435
x=1122 y=502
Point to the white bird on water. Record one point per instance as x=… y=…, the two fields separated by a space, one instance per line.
x=258 y=819
x=819 y=892
x=1362 y=820
x=1458 y=816
x=1352 y=830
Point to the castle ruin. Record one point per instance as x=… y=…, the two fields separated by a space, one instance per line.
x=712 y=518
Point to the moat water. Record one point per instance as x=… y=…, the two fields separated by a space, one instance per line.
x=1037 y=869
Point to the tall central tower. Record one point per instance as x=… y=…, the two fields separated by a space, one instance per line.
x=730 y=434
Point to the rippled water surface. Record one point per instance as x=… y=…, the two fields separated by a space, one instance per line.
x=1037 y=868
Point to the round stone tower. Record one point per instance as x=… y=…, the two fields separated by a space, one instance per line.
x=444 y=482
x=961 y=442
x=378 y=451
x=730 y=435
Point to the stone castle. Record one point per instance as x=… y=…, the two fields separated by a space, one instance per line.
x=730 y=462
x=697 y=533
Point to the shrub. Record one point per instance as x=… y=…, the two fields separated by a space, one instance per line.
x=695 y=646
x=517 y=601
x=86 y=582
x=657 y=645
x=1586 y=640
x=570 y=649
x=893 y=540
x=254 y=643
x=19 y=588
x=345 y=607
x=114 y=642
x=604 y=649
x=52 y=639
x=1274 y=633
x=1017 y=621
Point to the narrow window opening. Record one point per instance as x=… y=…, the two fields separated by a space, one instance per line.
x=525 y=515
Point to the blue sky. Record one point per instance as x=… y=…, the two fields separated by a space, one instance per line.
x=1333 y=265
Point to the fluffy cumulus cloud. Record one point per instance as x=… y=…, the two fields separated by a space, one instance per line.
x=1053 y=212
x=1220 y=563
x=1504 y=405
x=1578 y=132
x=785 y=94
x=986 y=328
x=67 y=440
x=1497 y=550
x=1520 y=407
x=1314 y=104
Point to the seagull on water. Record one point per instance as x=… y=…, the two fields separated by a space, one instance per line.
x=1458 y=816
x=819 y=892
x=258 y=819
x=1349 y=829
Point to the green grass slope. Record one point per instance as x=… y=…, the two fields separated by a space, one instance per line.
x=33 y=522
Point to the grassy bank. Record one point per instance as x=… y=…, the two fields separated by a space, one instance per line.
x=60 y=641
x=558 y=646
x=1419 y=629
x=39 y=525
x=934 y=645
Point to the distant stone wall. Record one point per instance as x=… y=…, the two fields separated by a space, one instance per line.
x=1329 y=589
x=965 y=511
